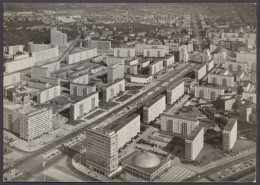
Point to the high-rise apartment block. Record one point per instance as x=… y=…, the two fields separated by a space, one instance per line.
x=230 y=134
x=115 y=72
x=111 y=90
x=174 y=92
x=194 y=143
x=183 y=125
x=84 y=106
x=58 y=38
x=152 y=110
x=29 y=122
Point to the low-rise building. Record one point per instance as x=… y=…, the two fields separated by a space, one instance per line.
x=84 y=106
x=140 y=78
x=230 y=134
x=194 y=143
x=38 y=72
x=219 y=55
x=247 y=110
x=152 y=110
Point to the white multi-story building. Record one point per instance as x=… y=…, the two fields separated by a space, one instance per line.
x=124 y=52
x=19 y=64
x=81 y=79
x=58 y=38
x=209 y=92
x=230 y=134
x=174 y=92
x=80 y=55
x=236 y=66
x=178 y=124
x=200 y=72
x=46 y=54
x=154 y=109
x=154 y=52
x=12 y=50
x=84 y=106
x=183 y=53
x=112 y=90
x=221 y=77
x=194 y=143
x=11 y=79
x=29 y=122
x=168 y=60
x=48 y=94
x=81 y=89
x=139 y=48
x=31 y=47
x=155 y=67
x=249 y=58
x=206 y=56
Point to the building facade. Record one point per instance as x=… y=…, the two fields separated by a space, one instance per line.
x=46 y=54
x=112 y=90
x=48 y=94
x=230 y=134
x=81 y=55
x=37 y=47
x=11 y=79
x=200 y=72
x=124 y=52
x=81 y=89
x=236 y=66
x=178 y=124
x=154 y=109
x=155 y=67
x=84 y=106
x=208 y=92
x=58 y=38
x=194 y=143
x=174 y=92
x=115 y=72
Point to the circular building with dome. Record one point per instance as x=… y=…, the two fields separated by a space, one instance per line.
x=146 y=165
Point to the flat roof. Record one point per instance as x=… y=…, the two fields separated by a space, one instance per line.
x=184 y=116
x=78 y=99
x=142 y=76
x=175 y=84
x=230 y=124
x=194 y=133
x=116 y=81
x=78 y=50
x=215 y=87
x=120 y=123
x=154 y=101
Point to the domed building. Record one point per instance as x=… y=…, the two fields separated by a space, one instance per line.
x=146 y=165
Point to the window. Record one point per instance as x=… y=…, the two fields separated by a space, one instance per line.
x=85 y=92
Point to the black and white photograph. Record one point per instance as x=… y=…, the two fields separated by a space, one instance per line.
x=129 y=92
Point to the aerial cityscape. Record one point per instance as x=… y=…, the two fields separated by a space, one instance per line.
x=110 y=92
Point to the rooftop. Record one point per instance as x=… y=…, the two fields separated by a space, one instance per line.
x=230 y=124
x=120 y=123
x=149 y=104
x=81 y=49
x=183 y=116
x=116 y=81
x=194 y=133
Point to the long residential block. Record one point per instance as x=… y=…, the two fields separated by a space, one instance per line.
x=174 y=92
x=84 y=106
x=112 y=90
x=81 y=55
x=81 y=89
x=230 y=134
x=48 y=94
x=154 y=109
